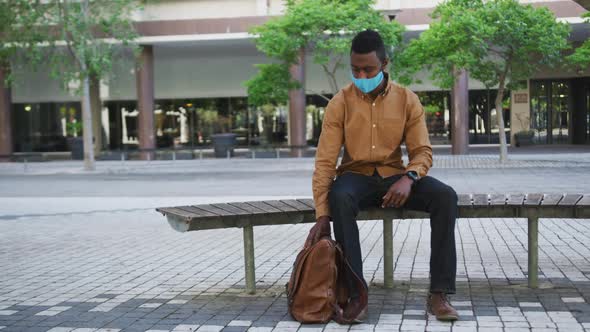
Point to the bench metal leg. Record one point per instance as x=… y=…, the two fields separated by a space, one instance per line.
x=249 y=259
x=533 y=231
x=388 y=252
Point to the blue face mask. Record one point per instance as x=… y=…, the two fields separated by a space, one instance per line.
x=367 y=85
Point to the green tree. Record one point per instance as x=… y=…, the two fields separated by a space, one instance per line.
x=271 y=85
x=93 y=32
x=21 y=30
x=581 y=56
x=499 y=42
x=323 y=28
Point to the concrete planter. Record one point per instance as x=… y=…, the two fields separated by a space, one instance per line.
x=523 y=138
x=222 y=143
x=76 y=145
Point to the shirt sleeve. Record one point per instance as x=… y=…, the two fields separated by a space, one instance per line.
x=416 y=137
x=329 y=145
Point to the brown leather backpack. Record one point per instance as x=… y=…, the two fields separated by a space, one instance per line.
x=317 y=290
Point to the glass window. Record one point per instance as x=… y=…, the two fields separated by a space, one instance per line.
x=44 y=127
x=550 y=111
x=437 y=108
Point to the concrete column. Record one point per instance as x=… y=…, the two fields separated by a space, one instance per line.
x=262 y=7
x=96 y=108
x=5 y=119
x=578 y=123
x=145 y=101
x=520 y=112
x=297 y=114
x=460 y=113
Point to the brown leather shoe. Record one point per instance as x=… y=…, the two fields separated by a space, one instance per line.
x=438 y=305
x=356 y=311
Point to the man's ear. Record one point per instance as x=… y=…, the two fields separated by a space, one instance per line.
x=385 y=64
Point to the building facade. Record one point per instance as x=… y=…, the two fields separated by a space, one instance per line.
x=196 y=54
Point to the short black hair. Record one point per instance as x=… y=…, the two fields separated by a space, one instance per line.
x=368 y=41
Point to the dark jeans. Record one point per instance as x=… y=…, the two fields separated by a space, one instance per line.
x=353 y=192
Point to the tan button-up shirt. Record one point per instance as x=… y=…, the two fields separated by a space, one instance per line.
x=371 y=132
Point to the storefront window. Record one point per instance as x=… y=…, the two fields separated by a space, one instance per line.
x=44 y=127
x=189 y=123
x=436 y=106
x=483 y=118
x=550 y=111
x=316 y=105
x=560 y=112
x=587 y=99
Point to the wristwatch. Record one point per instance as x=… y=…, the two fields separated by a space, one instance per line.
x=413 y=176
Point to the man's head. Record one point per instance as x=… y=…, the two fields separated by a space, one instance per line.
x=367 y=55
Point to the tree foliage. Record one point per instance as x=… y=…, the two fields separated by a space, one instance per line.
x=499 y=42
x=324 y=28
x=581 y=56
x=59 y=34
x=271 y=85
x=21 y=30
x=491 y=39
x=95 y=34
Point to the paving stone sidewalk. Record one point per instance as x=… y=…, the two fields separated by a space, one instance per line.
x=129 y=271
x=91 y=254
x=482 y=161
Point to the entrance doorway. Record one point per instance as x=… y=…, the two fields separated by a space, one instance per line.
x=551 y=111
x=587 y=102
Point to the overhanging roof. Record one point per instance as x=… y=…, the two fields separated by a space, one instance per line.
x=584 y=3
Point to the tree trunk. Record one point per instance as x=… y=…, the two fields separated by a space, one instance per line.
x=96 y=111
x=500 y=117
x=333 y=84
x=331 y=74
x=5 y=114
x=87 y=124
x=86 y=110
x=486 y=121
x=460 y=112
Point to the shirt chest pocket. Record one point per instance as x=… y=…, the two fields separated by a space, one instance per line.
x=391 y=129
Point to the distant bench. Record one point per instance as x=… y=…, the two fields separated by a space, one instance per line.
x=246 y=215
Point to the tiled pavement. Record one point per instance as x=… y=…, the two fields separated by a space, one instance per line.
x=129 y=271
x=91 y=254
x=482 y=161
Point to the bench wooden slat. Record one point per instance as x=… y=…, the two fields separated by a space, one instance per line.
x=480 y=200
x=533 y=199
x=308 y=202
x=176 y=212
x=515 y=199
x=214 y=210
x=281 y=206
x=570 y=200
x=464 y=200
x=584 y=201
x=247 y=207
x=297 y=204
x=265 y=207
x=497 y=199
x=196 y=212
x=551 y=199
x=230 y=208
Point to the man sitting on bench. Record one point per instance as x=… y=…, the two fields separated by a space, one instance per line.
x=372 y=117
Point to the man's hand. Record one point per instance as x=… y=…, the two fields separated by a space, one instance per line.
x=398 y=193
x=320 y=229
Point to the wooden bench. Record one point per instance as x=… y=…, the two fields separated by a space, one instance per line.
x=246 y=215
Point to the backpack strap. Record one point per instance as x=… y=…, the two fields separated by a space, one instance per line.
x=344 y=268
